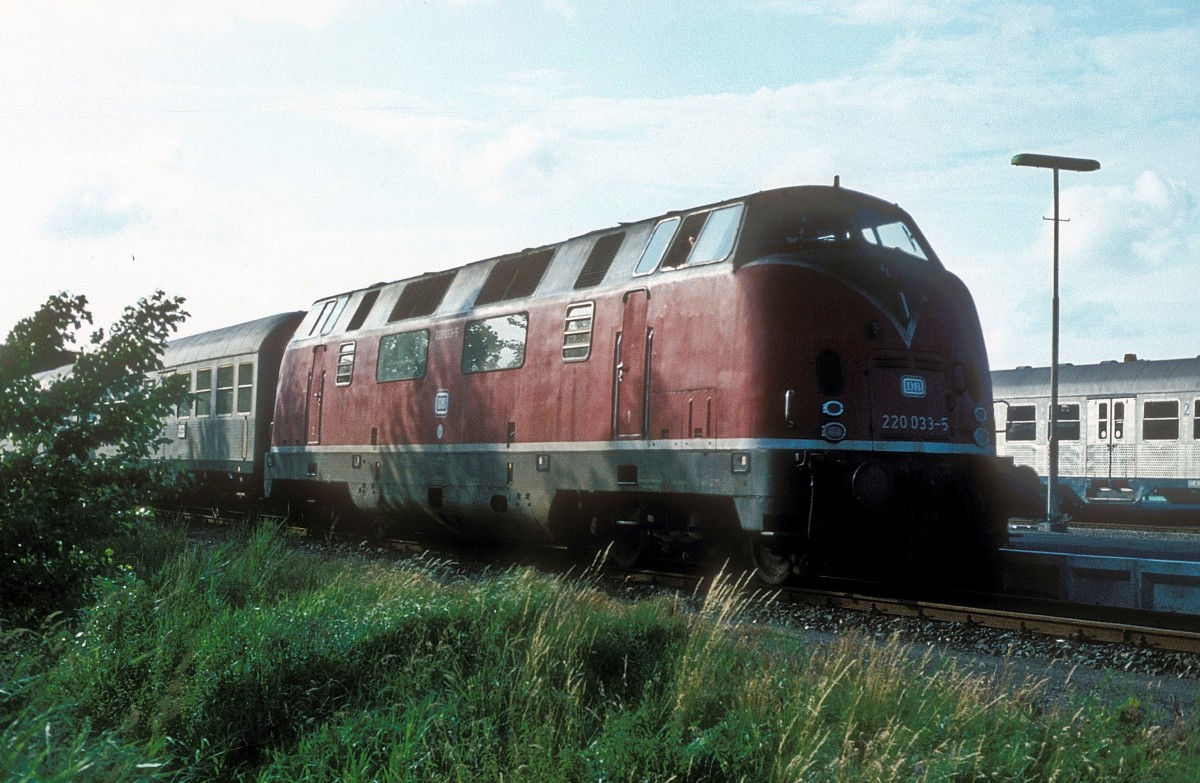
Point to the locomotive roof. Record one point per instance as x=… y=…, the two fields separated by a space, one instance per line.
x=245 y=338
x=1137 y=376
x=559 y=266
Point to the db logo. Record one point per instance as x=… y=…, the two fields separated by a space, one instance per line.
x=912 y=386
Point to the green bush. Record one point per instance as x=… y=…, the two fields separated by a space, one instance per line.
x=72 y=446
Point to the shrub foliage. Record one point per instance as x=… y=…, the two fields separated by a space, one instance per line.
x=73 y=442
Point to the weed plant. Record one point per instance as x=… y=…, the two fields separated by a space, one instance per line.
x=258 y=661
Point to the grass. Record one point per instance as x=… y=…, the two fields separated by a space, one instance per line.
x=254 y=660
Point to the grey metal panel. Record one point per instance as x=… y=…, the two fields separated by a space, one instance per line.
x=1110 y=378
x=1124 y=582
x=239 y=340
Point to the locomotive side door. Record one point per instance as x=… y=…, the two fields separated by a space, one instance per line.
x=1111 y=435
x=316 y=395
x=631 y=370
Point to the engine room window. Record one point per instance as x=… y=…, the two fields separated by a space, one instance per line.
x=1195 y=421
x=403 y=356
x=421 y=297
x=345 y=365
x=1022 y=422
x=495 y=343
x=660 y=240
x=225 y=390
x=577 y=332
x=599 y=260
x=1160 y=420
x=203 y=392
x=514 y=278
x=363 y=310
x=1066 y=423
x=245 y=387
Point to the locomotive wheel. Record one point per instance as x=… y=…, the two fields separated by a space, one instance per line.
x=629 y=546
x=772 y=567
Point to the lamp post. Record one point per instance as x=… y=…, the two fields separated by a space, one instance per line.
x=1057 y=163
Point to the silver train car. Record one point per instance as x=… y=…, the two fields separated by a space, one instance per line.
x=1128 y=433
x=220 y=434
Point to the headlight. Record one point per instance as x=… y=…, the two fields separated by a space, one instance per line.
x=833 y=431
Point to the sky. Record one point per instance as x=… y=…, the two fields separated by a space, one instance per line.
x=254 y=156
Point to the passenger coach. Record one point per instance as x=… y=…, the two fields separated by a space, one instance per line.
x=1127 y=431
x=221 y=432
x=793 y=370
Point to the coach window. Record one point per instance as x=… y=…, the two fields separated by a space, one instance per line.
x=402 y=357
x=203 y=393
x=716 y=239
x=184 y=409
x=495 y=343
x=345 y=365
x=1022 y=422
x=660 y=240
x=1066 y=423
x=225 y=390
x=577 y=332
x=245 y=387
x=1160 y=420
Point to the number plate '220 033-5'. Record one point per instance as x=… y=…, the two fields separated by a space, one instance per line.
x=915 y=423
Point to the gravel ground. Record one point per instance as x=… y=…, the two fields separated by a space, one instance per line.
x=1165 y=684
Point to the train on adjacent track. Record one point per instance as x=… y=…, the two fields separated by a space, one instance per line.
x=791 y=374
x=1128 y=435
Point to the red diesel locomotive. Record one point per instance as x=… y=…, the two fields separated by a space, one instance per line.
x=793 y=373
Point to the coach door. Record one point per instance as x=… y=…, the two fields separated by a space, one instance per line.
x=1110 y=438
x=316 y=395
x=631 y=372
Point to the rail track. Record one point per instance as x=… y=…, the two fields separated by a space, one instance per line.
x=1057 y=619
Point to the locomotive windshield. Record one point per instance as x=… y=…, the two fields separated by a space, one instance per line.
x=826 y=226
x=877 y=228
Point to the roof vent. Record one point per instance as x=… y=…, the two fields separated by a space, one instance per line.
x=1131 y=357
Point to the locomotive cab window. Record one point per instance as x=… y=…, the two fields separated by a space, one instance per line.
x=324 y=315
x=577 y=332
x=1022 y=422
x=1160 y=420
x=717 y=237
x=1066 y=423
x=657 y=246
x=495 y=343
